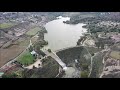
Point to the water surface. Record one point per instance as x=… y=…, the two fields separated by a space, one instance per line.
x=61 y=35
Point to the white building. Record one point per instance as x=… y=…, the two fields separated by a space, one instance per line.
x=33 y=52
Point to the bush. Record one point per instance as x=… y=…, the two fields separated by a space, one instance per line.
x=12 y=75
x=84 y=74
x=85 y=66
x=92 y=54
x=49 y=50
x=30 y=49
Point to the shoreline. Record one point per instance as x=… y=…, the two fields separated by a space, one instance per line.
x=42 y=25
x=78 y=32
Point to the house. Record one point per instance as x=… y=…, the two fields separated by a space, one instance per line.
x=33 y=53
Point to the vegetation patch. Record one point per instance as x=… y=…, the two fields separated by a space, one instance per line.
x=84 y=74
x=26 y=58
x=50 y=69
x=115 y=54
x=6 y=25
x=97 y=65
x=25 y=42
x=93 y=50
x=12 y=75
x=33 y=31
x=69 y=55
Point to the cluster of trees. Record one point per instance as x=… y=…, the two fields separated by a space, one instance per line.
x=84 y=70
x=99 y=44
x=82 y=38
x=11 y=75
x=38 y=51
x=40 y=42
x=49 y=50
x=93 y=28
x=31 y=49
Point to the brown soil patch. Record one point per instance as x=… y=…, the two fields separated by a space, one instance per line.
x=10 y=53
x=13 y=51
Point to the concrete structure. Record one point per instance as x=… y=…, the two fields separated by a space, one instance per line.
x=33 y=52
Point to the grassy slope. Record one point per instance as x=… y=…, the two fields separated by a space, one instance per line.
x=97 y=65
x=26 y=58
x=33 y=31
x=115 y=54
x=93 y=50
x=6 y=25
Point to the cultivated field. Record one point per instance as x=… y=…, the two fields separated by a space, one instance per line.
x=13 y=51
x=6 y=25
x=115 y=54
x=33 y=31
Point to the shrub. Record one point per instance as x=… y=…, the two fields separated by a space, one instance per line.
x=49 y=50
x=84 y=74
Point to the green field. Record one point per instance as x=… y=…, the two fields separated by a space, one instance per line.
x=26 y=58
x=6 y=25
x=115 y=54
x=93 y=50
x=25 y=42
x=33 y=31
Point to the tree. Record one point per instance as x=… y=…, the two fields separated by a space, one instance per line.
x=30 y=49
x=37 y=49
x=102 y=45
x=34 y=67
x=12 y=75
x=49 y=50
x=92 y=54
x=78 y=43
x=97 y=44
x=96 y=35
x=13 y=34
x=118 y=30
x=40 y=35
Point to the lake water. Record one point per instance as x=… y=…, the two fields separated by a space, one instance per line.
x=61 y=35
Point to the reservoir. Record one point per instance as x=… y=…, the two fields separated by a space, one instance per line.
x=61 y=35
